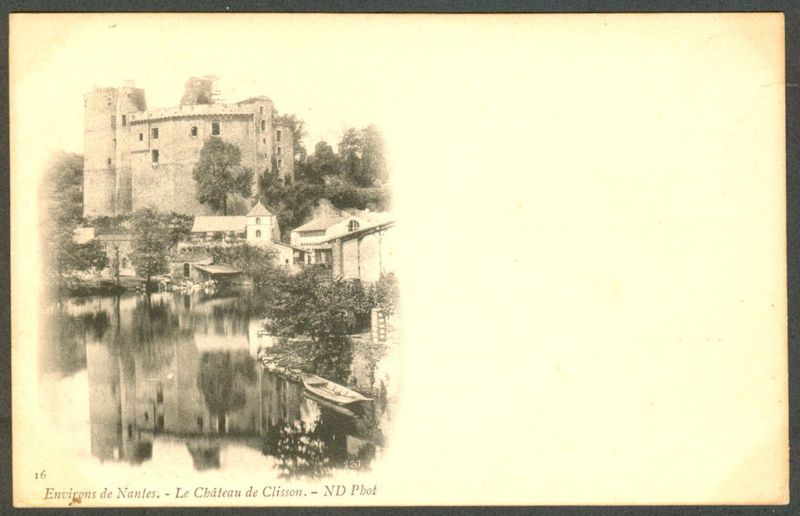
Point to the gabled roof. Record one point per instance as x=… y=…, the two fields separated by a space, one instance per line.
x=320 y=223
x=284 y=244
x=212 y=224
x=215 y=269
x=361 y=231
x=259 y=210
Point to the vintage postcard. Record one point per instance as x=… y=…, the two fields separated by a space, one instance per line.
x=314 y=260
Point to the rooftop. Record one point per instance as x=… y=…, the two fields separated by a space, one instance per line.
x=259 y=210
x=364 y=230
x=215 y=269
x=320 y=223
x=218 y=223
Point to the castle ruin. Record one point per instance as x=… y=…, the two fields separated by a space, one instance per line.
x=135 y=158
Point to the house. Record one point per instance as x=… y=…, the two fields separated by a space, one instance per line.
x=182 y=264
x=325 y=222
x=363 y=254
x=258 y=227
x=290 y=256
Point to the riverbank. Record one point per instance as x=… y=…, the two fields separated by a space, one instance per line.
x=83 y=287
x=290 y=360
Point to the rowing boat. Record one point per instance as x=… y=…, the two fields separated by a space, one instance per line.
x=330 y=391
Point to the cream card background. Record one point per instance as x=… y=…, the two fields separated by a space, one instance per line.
x=592 y=216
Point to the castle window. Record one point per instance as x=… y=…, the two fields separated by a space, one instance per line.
x=155 y=155
x=193 y=131
x=261 y=109
x=258 y=220
x=279 y=135
x=159 y=394
x=109 y=161
x=263 y=140
x=279 y=151
x=124 y=120
x=215 y=128
x=141 y=136
x=280 y=163
x=263 y=125
x=199 y=422
x=147 y=416
x=352 y=226
x=258 y=233
x=154 y=133
x=115 y=142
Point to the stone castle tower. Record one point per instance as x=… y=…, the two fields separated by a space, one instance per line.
x=135 y=158
x=106 y=161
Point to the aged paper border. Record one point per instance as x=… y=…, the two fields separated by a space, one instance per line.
x=791 y=208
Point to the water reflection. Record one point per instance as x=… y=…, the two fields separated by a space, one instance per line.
x=171 y=366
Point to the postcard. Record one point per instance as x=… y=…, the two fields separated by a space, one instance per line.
x=266 y=260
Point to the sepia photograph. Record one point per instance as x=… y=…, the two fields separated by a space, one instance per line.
x=274 y=260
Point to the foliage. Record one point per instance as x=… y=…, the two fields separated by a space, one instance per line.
x=61 y=189
x=178 y=226
x=151 y=242
x=84 y=257
x=61 y=196
x=324 y=310
x=361 y=153
x=324 y=163
x=218 y=174
x=353 y=178
x=384 y=294
x=258 y=263
x=108 y=224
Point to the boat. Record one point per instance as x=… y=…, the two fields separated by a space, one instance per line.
x=332 y=392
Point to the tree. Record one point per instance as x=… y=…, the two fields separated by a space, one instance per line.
x=200 y=90
x=218 y=174
x=325 y=311
x=350 y=153
x=61 y=195
x=150 y=244
x=362 y=154
x=88 y=256
x=373 y=155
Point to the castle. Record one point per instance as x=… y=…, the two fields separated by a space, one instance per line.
x=136 y=158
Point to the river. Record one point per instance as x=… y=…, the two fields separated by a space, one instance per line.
x=173 y=379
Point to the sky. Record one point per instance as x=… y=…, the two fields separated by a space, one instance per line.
x=320 y=75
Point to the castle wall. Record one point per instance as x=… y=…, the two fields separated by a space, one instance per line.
x=129 y=101
x=120 y=174
x=169 y=185
x=99 y=159
x=284 y=151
